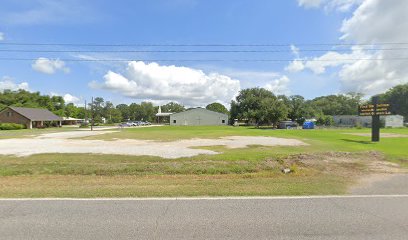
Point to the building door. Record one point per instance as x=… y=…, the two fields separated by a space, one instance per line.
x=199 y=120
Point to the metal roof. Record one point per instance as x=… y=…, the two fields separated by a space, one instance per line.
x=202 y=110
x=36 y=114
x=163 y=114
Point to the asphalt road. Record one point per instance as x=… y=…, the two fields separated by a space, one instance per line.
x=352 y=217
x=393 y=184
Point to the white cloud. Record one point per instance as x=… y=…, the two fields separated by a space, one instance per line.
x=250 y=75
x=279 y=86
x=295 y=66
x=2 y=37
x=310 y=3
x=68 y=98
x=188 y=86
x=340 y=5
x=373 y=22
x=295 y=50
x=48 y=66
x=7 y=83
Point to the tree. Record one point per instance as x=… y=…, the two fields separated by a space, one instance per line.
x=124 y=111
x=115 y=116
x=217 y=107
x=148 y=111
x=297 y=108
x=173 y=107
x=398 y=98
x=107 y=111
x=257 y=105
x=273 y=111
x=234 y=112
x=135 y=112
x=97 y=109
x=71 y=110
x=342 y=104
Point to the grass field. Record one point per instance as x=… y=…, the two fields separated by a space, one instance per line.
x=23 y=133
x=332 y=161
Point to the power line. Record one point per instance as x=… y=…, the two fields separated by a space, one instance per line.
x=189 y=51
x=196 y=45
x=212 y=60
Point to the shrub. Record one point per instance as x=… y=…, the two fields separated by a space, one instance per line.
x=11 y=126
x=294 y=168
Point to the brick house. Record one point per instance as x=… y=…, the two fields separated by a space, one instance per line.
x=30 y=117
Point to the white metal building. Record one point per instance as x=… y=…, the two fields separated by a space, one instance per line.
x=365 y=121
x=198 y=117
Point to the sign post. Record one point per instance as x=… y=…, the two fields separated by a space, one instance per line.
x=375 y=123
x=375 y=110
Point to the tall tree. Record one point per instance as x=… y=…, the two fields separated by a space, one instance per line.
x=273 y=111
x=97 y=109
x=217 y=107
x=297 y=108
x=135 y=112
x=342 y=104
x=398 y=98
x=256 y=105
x=172 y=107
x=148 y=111
x=124 y=111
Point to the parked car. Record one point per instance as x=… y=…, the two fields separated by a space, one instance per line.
x=287 y=125
x=126 y=124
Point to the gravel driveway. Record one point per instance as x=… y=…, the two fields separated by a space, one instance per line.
x=65 y=142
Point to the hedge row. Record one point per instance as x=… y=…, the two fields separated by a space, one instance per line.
x=11 y=126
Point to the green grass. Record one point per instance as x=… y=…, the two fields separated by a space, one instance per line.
x=24 y=133
x=233 y=172
x=261 y=184
x=319 y=139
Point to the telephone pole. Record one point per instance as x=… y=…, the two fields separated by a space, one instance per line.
x=86 y=114
x=92 y=114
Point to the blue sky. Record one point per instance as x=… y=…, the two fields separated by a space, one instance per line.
x=172 y=22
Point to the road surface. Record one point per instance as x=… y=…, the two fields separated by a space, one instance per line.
x=383 y=184
x=326 y=217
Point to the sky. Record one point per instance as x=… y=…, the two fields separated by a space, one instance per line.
x=196 y=52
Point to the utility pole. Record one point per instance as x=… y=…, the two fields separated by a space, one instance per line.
x=86 y=115
x=92 y=114
x=376 y=124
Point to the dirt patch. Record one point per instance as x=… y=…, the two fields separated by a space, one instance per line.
x=362 y=169
x=66 y=142
x=345 y=163
x=384 y=135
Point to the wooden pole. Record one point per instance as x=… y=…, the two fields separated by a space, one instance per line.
x=92 y=114
x=375 y=123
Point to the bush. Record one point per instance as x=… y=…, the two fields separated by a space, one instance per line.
x=84 y=125
x=325 y=120
x=11 y=126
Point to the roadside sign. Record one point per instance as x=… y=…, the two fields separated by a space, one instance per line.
x=375 y=110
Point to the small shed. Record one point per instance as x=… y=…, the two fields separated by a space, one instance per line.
x=72 y=121
x=30 y=117
x=198 y=117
